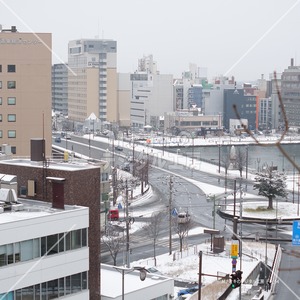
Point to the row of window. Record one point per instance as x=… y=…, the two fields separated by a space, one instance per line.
x=48 y=245
x=10 y=100
x=11 y=84
x=51 y=289
x=10 y=68
x=10 y=134
x=10 y=118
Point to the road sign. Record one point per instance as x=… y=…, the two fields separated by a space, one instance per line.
x=174 y=212
x=296 y=233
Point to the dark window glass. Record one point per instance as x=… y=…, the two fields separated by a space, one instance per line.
x=27 y=293
x=68 y=285
x=84 y=280
x=61 y=289
x=76 y=283
x=43 y=246
x=11 y=68
x=61 y=242
x=68 y=241
x=37 y=291
x=52 y=244
x=84 y=237
x=52 y=289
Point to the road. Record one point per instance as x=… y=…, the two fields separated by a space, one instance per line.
x=186 y=196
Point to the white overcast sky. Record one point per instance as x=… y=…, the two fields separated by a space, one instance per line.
x=231 y=37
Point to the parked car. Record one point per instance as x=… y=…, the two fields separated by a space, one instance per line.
x=113 y=215
x=57 y=139
x=190 y=290
x=183 y=217
x=119 y=148
x=126 y=167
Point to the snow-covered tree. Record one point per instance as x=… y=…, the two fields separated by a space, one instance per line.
x=271 y=184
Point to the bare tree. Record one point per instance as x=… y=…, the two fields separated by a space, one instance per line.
x=240 y=161
x=114 y=242
x=182 y=230
x=153 y=229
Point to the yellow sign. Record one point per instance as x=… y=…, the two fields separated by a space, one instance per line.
x=234 y=249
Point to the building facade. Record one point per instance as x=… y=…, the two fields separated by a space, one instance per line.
x=25 y=89
x=44 y=251
x=152 y=95
x=290 y=94
x=60 y=89
x=92 y=80
x=62 y=184
x=239 y=105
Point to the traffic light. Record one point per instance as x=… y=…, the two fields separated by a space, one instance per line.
x=236 y=279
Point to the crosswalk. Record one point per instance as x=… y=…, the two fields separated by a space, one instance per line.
x=136 y=241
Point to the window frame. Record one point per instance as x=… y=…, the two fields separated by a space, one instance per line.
x=11 y=85
x=11 y=134
x=10 y=102
x=13 y=119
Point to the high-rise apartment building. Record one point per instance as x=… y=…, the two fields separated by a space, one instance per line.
x=60 y=88
x=92 y=80
x=25 y=89
x=290 y=94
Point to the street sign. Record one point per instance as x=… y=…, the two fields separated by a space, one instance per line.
x=234 y=249
x=174 y=212
x=296 y=233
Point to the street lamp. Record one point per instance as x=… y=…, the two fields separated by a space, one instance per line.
x=124 y=270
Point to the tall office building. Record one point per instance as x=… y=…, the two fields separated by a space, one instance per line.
x=152 y=94
x=92 y=80
x=60 y=89
x=25 y=89
x=290 y=94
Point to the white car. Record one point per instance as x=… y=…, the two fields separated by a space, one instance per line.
x=183 y=217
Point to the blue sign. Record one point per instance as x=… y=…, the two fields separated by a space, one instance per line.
x=296 y=233
x=174 y=212
x=119 y=206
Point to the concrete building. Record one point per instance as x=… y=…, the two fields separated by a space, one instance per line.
x=44 y=253
x=25 y=89
x=239 y=103
x=60 y=89
x=92 y=80
x=61 y=183
x=191 y=121
x=152 y=95
x=290 y=94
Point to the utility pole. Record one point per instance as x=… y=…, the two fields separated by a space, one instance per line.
x=127 y=225
x=200 y=275
x=133 y=159
x=170 y=214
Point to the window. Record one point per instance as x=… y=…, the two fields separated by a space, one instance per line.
x=11 y=101
x=0 y=84
x=11 y=68
x=0 y=133
x=0 y=117
x=10 y=118
x=11 y=133
x=11 y=84
x=0 y=68
x=0 y=100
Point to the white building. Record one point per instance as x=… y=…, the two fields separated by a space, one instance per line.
x=154 y=287
x=152 y=94
x=44 y=252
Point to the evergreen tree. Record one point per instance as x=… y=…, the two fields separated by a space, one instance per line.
x=270 y=184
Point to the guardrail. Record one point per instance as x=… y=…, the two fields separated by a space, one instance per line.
x=272 y=281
